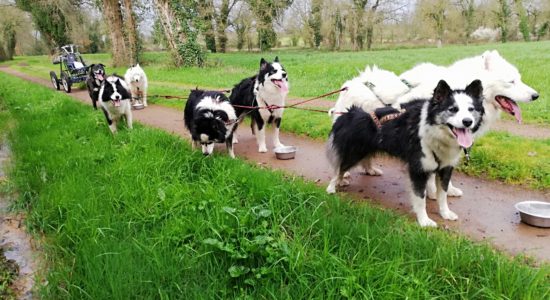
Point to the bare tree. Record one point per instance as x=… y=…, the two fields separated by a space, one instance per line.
x=222 y=22
x=435 y=12
x=131 y=32
x=113 y=13
x=467 y=10
x=503 y=14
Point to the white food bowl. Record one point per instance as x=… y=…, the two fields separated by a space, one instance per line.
x=536 y=213
x=138 y=106
x=286 y=152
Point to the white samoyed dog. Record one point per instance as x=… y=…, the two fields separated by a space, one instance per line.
x=137 y=81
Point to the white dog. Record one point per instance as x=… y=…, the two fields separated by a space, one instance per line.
x=373 y=88
x=502 y=88
x=137 y=81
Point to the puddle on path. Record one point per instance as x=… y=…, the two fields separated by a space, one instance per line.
x=14 y=240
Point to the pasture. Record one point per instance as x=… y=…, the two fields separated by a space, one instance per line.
x=140 y=214
x=512 y=159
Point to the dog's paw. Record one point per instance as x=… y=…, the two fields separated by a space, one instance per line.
x=344 y=182
x=427 y=222
x=454 y=191
x=235 y=140
x=347 y=175
x=372 y=171
x=331 y=189
x=262 y=149
x=448 y=215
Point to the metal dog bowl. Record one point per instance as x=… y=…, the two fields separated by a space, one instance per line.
x=286 y=152
x=536 y=213
x=138 y=106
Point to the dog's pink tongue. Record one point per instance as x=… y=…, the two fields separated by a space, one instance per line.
x=283 y=85
x=100 y=77
x=517 y=111
x=464 y=137
x=117 y=103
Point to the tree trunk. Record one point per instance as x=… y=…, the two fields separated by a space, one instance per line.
x=113 y=13
x=222 y=25
x=131 y=32
x=370 y=23
x=172 y=29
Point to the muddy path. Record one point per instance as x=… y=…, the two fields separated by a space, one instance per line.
x=14 y=240
x=486 y=210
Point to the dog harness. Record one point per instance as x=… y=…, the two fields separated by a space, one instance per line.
x=380 y=121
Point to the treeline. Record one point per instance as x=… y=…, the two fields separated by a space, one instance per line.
x=191 y=28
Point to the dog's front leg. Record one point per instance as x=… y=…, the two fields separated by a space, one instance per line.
x=335 y=181
x=442 y=182
x=418 y=198
x=431 y=188
x=129 y=119
x=276 y=141
x=145 y=98
x=260 y=135
x=110 y=121
x=229 y=145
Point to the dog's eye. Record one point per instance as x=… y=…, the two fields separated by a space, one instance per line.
x=470 y=109
x=453 y=109
x=513 y=81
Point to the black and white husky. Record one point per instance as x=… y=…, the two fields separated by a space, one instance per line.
x=114 y=100
x=268 y=87
x=210 y=119
x=429 y=136
x=95 y=77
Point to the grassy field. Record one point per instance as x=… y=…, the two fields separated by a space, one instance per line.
x=313 y=73
x=140 y=215
x=504 y=157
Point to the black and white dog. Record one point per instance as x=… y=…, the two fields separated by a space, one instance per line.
x=268 y=87
x=429 y=136
x=96 y=75
x=114 y=99
x=210 y=119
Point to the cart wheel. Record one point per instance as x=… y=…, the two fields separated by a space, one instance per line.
x=55 y=81
x=66 y=81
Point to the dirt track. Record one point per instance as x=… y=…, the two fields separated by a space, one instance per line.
x=486 y=210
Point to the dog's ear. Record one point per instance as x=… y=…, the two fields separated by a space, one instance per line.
x=276 y=59
x=475 y=89
x=263 y=64
x=442 y=91
x=102 y=65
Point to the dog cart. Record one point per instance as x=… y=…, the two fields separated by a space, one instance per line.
x=72 y=68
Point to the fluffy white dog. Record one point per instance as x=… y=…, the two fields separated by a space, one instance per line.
x=137 y=81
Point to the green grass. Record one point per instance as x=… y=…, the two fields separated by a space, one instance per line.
x=139 y=215
x=313 y=73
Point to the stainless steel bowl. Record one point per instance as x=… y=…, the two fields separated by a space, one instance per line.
x=536 y=213
x=138 y=106
x=286 y=152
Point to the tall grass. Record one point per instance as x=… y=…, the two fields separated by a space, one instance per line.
x=139 y=215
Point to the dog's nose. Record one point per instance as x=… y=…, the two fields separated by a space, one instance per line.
x=205 y=153
x=117 y=97
x=534 y=96
x=467 y=122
